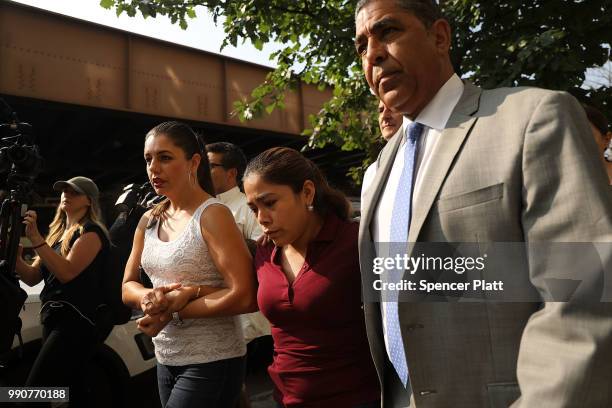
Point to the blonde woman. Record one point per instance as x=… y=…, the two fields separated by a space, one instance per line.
x=69 y=260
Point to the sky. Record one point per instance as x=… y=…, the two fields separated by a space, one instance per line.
x=201 y=32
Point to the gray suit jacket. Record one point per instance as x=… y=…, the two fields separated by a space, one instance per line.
x=511 y=165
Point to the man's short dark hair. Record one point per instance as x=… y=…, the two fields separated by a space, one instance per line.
x=427 y=11
x=596 y=118
x=232 y=157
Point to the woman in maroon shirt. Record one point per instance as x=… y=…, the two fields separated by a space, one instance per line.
x=309 y=285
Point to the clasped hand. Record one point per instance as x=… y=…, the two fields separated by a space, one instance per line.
x=158 y=305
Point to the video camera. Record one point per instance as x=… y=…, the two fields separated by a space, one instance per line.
x=135 y=200
x=19 y=157
x=25 y=158
x=136 y=195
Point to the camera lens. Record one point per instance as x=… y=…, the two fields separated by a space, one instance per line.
x=25 y=159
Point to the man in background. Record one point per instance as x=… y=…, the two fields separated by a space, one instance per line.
x=603 y=137
x=390 y=124
x=227 y=164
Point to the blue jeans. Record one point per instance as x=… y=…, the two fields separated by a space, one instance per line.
x=216 y=384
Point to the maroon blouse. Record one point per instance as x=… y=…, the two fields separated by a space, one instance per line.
x=321 y=354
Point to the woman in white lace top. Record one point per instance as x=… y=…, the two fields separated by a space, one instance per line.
x=202 y=274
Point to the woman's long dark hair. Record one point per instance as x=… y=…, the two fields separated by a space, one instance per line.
x=288 y=167
x=190 y=143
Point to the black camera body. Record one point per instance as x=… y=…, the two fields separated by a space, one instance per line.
x=26 y=159
x=135 y=200
x=19 y=157
x=136 y=195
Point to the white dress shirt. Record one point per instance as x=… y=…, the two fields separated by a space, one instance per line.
x=245 y=219
x=253 y=324
x=368 y=176
x=434 y=117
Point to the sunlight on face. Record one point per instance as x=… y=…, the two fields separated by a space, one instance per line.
x=167 y=167
x=282 y=214
x=404 y=62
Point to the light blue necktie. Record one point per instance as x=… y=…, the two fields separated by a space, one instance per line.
x=400 y=224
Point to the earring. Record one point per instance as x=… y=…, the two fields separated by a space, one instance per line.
x=193 y=178
x=310 y=207
x=189 y=176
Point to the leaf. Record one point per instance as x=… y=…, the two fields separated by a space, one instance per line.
x=107 y=4
x=505 y=42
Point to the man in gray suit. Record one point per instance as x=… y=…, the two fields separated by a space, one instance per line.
x=484 y=166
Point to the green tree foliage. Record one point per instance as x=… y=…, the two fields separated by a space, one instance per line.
x=496 y=43
x=548 y=44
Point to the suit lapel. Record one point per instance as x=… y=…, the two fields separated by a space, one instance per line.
x=458 y=127
x=367 y=252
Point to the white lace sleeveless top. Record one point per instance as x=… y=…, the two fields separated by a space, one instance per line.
x=187 y=260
